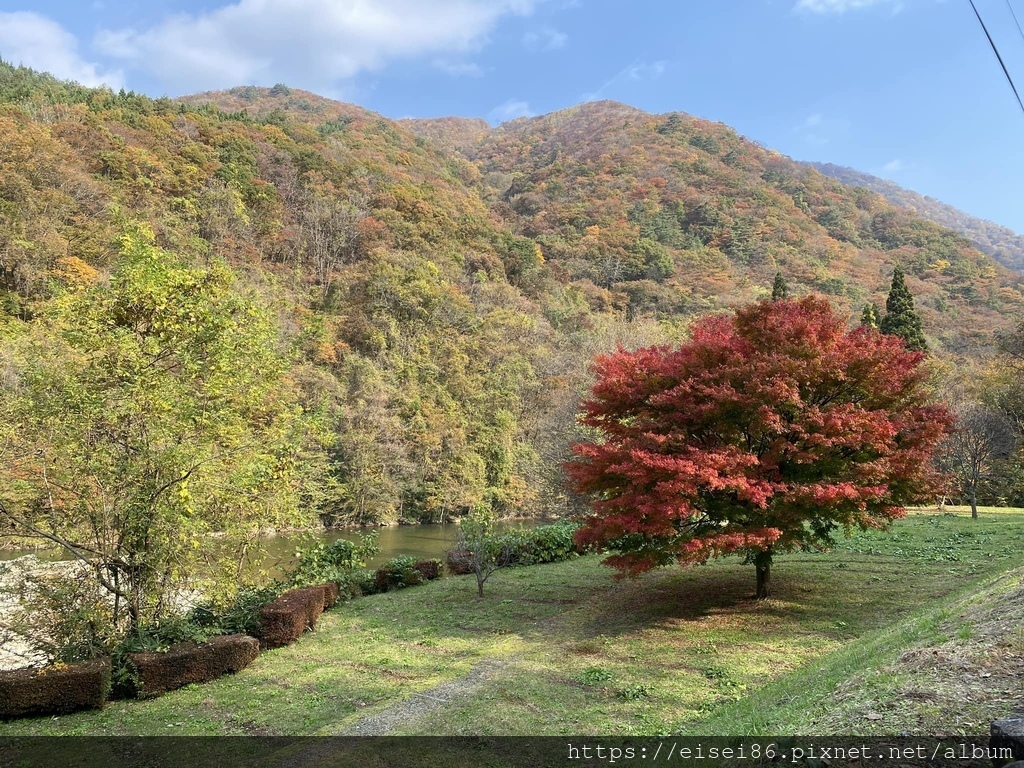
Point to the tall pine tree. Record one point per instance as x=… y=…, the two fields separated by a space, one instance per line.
x=901 y=319
x=779 y=288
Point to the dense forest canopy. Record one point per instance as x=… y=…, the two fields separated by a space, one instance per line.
x=438 y=287
x=1001 y=243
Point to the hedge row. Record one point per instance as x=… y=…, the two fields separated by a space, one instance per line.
x=54 y=690
x=543 y=544
x=64 y=688
x=187 y=663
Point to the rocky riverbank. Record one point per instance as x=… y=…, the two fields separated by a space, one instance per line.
x=16 y=652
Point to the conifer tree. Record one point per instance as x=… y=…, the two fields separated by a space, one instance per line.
x=901 y=319
x=779 y=288
x=870 y=315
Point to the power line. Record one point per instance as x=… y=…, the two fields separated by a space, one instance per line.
x=1012 y=13
x=996 y=50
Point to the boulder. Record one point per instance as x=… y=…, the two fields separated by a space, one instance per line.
x=54 y=690
x=186 y=663
x=1008 y=732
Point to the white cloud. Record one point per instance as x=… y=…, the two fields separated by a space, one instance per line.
x=545 y=39
x=306 y=43
x=510 y=110
x=838 y=6
x=892 y=166
x=40 y=43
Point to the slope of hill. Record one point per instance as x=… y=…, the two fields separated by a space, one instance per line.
x=1001 y=243
x=440 y=284
x=672 y=214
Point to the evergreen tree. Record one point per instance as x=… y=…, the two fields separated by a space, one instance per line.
x=870 y=315
x=779 y=288
x=901 y=319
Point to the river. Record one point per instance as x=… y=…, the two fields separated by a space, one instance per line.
x=420 y=541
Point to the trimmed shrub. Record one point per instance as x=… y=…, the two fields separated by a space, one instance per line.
x=543 y=544
x=283 y=621
x=332 y=593
x=459 y=561
x=397 y=573
x=187 y=663
x=240 y=616
x=429 y=569
x=54 y=690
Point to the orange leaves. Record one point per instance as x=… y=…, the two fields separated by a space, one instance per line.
x=74 y=272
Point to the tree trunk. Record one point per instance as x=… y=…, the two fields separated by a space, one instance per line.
x=763 y=564
x=974 y=503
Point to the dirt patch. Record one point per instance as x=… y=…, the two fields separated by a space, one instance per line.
x=422 y=702
x=549 y=600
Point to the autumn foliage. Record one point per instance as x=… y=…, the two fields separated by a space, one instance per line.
x=770 y=431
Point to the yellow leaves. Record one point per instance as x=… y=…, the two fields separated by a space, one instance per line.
x=136 y=237
x=940 y=265
x=74 y=272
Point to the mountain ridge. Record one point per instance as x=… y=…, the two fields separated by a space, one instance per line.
x=441 y=305
x=461 y=133
x=998 y=241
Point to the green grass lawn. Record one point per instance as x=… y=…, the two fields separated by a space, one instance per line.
x=575 y=652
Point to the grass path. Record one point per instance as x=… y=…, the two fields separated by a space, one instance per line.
x=422 y=703
x=564 y=649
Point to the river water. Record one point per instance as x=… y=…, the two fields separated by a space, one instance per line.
x=420 y=541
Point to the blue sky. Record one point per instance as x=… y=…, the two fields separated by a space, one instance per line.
x=905 y=89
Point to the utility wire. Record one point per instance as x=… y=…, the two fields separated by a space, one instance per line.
x=996 y=50
x=1012 y=13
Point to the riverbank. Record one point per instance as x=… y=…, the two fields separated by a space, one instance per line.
x=16 y=651
x=563 y=648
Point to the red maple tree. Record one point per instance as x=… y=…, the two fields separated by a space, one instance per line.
x=771 y=430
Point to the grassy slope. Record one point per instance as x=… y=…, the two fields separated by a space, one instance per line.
x=677 y=650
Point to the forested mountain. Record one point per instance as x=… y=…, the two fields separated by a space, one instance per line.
x=1001 y=243
x=438 y=285
x=673 y=214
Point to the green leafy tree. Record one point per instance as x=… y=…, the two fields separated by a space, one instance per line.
x=143 y=418
x=479 y=548
x=779 y=288
x=901 y=319
x=869 y=317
